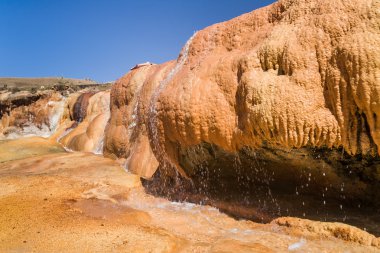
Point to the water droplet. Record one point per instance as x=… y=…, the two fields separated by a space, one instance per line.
x=303 y=203
x=304 y=214
x=324 y=202
x=341 y=207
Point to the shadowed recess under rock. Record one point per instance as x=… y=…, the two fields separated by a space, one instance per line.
x=315 y=183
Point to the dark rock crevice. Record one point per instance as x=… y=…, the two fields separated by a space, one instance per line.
x=80 y=106
x=16 y=101
x=316 y=183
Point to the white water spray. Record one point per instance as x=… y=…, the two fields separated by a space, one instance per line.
x=153 y=119
x=98 y=150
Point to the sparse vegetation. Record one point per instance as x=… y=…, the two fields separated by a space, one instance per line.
x=63 y=85
x=46 y=83
x=33 y=90
x=15 y=90
x=3 y=87
x=60 y=87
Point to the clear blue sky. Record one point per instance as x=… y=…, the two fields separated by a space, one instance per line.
x=102 y=39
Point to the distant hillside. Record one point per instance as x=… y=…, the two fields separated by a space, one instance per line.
x=27 y=83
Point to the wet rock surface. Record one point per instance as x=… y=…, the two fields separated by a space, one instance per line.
x=275 y=105
x=31 y=114
x=270 y=114
x=78 y=202
x=84 y=122
x=260 y=185
x=77 y=120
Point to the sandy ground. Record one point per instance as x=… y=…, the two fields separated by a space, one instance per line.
x=54 y=201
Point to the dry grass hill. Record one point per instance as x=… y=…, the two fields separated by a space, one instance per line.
x=27 y=83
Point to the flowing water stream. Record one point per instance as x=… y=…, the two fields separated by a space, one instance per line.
x=153 y=113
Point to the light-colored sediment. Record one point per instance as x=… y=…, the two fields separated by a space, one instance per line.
x=80 y=202
x=27 y=147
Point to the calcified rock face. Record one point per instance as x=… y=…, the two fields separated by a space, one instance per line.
x=85 y=120
x=78 y=121
x=126 y=133
x=286 y=96
x=294 y=74
x=30 y=114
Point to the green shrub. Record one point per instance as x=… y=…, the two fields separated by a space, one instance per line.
x=60 y=87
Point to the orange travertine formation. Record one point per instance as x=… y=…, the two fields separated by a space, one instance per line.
x=90 y=114
x=293 y=74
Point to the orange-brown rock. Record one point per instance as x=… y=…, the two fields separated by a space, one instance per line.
x=85 y=120
x=126 y=133
x=77 y=121
x=31 y=114
x=272 y=113
x=293 y=74
x=284 y=98
x=327 y=230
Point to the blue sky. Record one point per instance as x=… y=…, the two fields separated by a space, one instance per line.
x=102 y=39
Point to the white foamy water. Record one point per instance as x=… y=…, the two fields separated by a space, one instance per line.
x=28 y=131
x=297 y=245
x=187 y=219
x=98 y=150
x=134 y=116
x=206 y=224
x=56 y=114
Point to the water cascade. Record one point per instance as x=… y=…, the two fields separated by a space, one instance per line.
x=157 y=147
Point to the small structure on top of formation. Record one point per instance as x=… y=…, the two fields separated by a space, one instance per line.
x=142 y=65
